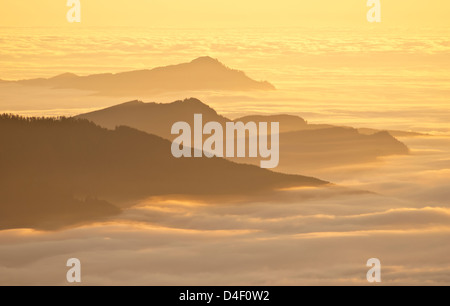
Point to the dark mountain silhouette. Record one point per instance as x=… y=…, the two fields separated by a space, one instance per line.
x=204 y=73
x=56 y=172
x=302 y=145
x=335 y=146
x=153 y=118
x=287 y=122
x=290 y=123
x=395 y=133
x=306 y=146
x=309 y=147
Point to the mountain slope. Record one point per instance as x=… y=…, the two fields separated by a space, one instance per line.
x=204 y=73
x=59 y=172
x=290 y=123
x=335 y=146
x=302 y=145
x=153 y=118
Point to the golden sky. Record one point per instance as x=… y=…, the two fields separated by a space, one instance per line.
x=213 y=13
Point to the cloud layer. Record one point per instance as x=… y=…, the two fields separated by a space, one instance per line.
x=309 y=237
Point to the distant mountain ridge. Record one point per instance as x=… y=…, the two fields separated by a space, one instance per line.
x=153 y=118
x=302 y=145
x=291 y=123
x=204 y=73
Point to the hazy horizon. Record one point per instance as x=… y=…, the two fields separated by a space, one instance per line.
x=320 y=76
x=126 y=213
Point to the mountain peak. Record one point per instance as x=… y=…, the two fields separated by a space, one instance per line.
x=206 y=60
x=134 y=102
x=203 y=73
x=64 y=76
x=194 y=101
x=196 y=105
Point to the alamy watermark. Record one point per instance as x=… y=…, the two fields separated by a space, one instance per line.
x=374 y=14
x=74 y=13
x=213 y=146
x=374 y=274
x=74 y=273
